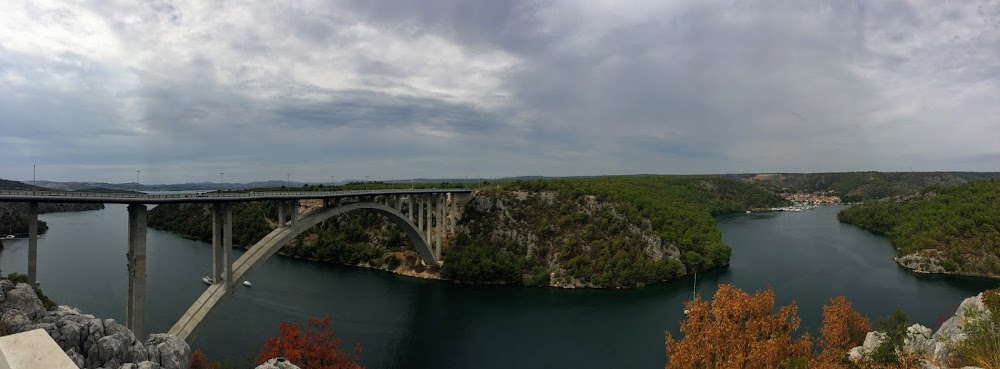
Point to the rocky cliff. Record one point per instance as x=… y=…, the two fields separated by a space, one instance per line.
x=89 y=341
x=935 y=350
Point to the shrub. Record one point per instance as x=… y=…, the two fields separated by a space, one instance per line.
x=893 y=331
x=316 y=347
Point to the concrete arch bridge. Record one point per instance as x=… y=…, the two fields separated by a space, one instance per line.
x=426 y=216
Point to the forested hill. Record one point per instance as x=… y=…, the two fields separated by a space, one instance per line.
x=861 y=186
x=599 y=232
x=14 y=215
x=945 y=229
x=585 y=232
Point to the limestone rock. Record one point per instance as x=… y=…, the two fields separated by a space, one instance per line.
x=90 y=342
x=142 y=365
x=277 y=363
x=935 y=348
x=919 y=340
x=76 y=357
x=169 y=351
x=872 y=341
x=23 y=299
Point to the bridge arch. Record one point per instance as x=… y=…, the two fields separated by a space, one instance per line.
x=190 y=323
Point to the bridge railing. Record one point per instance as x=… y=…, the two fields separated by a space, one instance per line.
x=239 y=195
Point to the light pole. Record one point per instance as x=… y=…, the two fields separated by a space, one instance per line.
x=137 y=181
x=288 y=178
x=221 y=182
x=33 y=174
x=411 y=183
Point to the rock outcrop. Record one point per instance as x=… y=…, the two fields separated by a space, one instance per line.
x=89 y=341
x=277 y=363
x=936 y=349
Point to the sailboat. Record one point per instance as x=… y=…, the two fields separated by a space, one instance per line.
x=694 y=292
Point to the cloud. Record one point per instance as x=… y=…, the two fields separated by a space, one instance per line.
x=183 y=90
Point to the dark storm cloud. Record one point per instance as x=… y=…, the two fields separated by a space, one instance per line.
x=186 y=89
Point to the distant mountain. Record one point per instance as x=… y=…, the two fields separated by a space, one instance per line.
x=860 y=186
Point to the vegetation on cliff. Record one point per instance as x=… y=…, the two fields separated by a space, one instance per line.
x=598 y=232
x=957 y=227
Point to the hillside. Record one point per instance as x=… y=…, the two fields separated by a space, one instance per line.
x=861 y=186
x=14 y=216
x=593 y=232
x=942 y=230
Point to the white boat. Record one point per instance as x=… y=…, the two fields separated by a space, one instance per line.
x=246 y=283
x=207 y=280
x=694 y=292
x=748 y=211
x=8 y=237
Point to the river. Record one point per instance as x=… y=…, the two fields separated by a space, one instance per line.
x=404 y=322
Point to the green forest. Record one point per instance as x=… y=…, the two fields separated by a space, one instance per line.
x=962 y=223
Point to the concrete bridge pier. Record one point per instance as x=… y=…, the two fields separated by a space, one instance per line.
x=281 y=213
x=441 y=225
x=409 y=207
x=33 y=243
x=420 y=213
x=222 y=243
x=135 y=306
x=430 y=221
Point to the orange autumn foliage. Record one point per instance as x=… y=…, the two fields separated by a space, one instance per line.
x=199 y=361
x=843 y=329
x=316 y=347
x=737 y=331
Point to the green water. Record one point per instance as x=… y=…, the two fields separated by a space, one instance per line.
x=404 y=322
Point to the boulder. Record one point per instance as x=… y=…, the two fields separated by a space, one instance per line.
x=277 y=363
x=919 y=340
x=872 y=341
x=169 y=351
x=142 y=365
x=22 y=298
x=76 y=357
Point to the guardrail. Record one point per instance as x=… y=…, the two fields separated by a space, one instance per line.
x=21 y=195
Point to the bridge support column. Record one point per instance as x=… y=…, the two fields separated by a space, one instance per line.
x=281 y=213
x=33 y=243
x=222 y=243
x=399 y=203
x=420 y=213
x=294 y=208
x=451 y=212
x=409 y=207
x=135 y=306
x=442 y=225
x=430 y=221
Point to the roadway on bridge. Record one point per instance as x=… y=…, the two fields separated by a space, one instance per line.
x=129 y=198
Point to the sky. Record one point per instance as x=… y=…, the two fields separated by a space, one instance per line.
x=392 y=89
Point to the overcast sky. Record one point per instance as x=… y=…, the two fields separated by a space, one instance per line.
x=183 y=90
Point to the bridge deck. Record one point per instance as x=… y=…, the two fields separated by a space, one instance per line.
x=125 y=198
